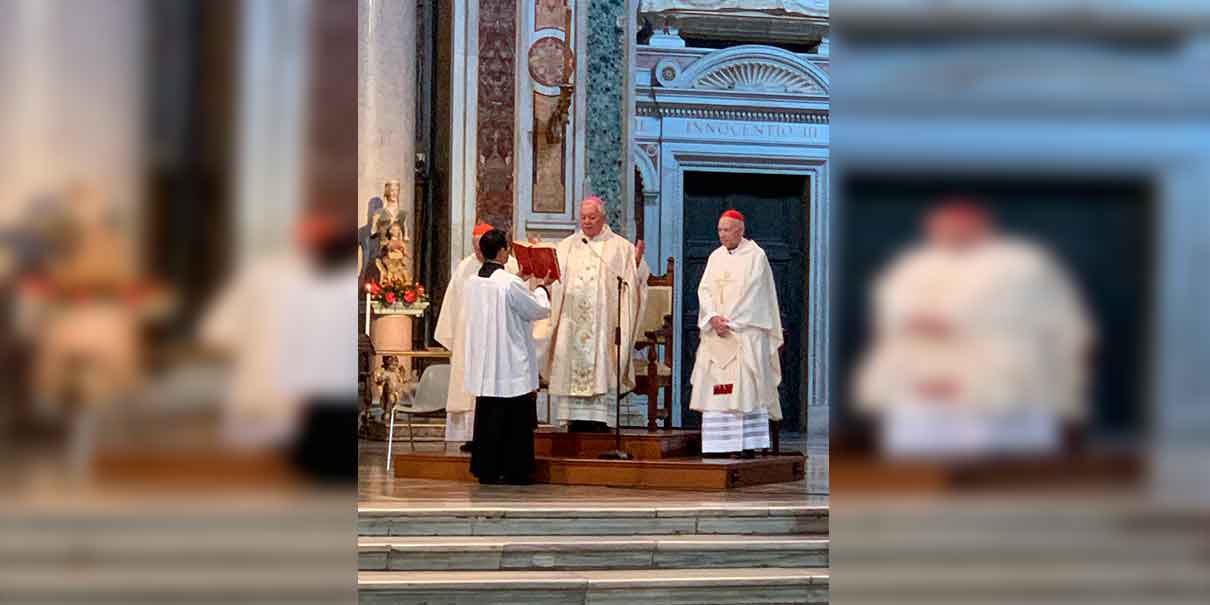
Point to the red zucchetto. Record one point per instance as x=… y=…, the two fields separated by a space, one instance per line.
x=735 y=214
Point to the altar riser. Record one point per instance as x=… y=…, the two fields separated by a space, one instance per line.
x=654 y=474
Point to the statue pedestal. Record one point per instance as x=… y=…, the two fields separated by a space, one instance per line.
x=391 y=331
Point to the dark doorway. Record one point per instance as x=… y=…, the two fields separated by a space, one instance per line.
x=1100 y=231
x=775 y=206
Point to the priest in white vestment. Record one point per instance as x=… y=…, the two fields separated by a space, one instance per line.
x=459 y=405
x=737 y=369
x=980 y=344
x=580 y=362
x=499 y=309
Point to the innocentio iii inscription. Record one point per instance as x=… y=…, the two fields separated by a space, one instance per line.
x=747 y=131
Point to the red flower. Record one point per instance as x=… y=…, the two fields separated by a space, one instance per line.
x=373 y=288
x=409 y=296
x=390 y=298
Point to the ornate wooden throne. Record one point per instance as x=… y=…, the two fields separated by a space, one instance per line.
x=653 y=371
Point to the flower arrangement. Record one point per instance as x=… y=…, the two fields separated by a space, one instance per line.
x=391 y=292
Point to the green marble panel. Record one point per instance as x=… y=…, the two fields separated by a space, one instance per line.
x=606 y=70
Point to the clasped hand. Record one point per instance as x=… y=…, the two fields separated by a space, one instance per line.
x=720 y=325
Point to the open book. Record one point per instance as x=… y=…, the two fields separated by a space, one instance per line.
x=536 y=259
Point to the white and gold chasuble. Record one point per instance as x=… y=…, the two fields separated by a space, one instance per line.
x=581 y=357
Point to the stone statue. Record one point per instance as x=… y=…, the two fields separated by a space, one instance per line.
x=389 y=215
x=395 y=382
x=392 y=261
x=383 y=214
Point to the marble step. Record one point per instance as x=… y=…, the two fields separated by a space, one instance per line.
x=388 y=518
x=588 y=552
x=698 y=586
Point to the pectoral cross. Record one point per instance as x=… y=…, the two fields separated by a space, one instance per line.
x=721 y=284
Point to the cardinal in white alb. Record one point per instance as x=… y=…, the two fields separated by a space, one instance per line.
x=459 y=405
x=737 y=369
x=581 y=357
x=980 y=343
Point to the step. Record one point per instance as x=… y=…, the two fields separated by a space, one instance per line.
x=386 y=518
x=639 y=443
x=670 y=473
x=698 y=586
x=496 y=553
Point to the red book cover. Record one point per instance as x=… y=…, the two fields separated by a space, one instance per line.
x=537 y=259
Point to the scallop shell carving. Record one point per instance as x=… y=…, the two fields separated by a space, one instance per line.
x=753 y=76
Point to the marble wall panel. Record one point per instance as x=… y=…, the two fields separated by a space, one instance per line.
x=496 y=112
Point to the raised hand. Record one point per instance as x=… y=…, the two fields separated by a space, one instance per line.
x=639 y=247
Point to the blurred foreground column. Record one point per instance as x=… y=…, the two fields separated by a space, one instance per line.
x=73 y=110
x=386 y=125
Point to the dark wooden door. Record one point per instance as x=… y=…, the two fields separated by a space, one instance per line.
x=775 y=207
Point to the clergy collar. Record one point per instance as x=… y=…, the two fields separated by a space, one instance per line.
x=743 y=243
x=489 y=267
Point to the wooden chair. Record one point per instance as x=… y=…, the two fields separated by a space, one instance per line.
x=653 y=371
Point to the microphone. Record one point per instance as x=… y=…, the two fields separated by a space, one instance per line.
x=584 y=240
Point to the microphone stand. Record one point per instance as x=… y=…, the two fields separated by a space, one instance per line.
x=617 y=453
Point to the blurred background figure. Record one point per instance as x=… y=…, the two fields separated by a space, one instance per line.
x=980 y=343
x=1076 y=124
x=177 y=299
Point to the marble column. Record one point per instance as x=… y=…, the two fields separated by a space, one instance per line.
x=386 y=124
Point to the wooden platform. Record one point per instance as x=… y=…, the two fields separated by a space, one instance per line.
x=640 y=443
x=671 y=473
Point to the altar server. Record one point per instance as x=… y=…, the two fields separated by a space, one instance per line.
x=737 y=369
x=499 y=309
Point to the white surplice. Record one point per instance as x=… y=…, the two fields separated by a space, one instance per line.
x=581 y=356
x=499 y=312
x=1018 y=332
x=459 y=406
x=735 y=378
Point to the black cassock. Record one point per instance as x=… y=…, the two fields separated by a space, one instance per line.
x=504 y=431
x=504 y=438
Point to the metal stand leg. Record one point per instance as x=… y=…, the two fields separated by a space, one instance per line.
x=390 y=438
x=411 y=432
